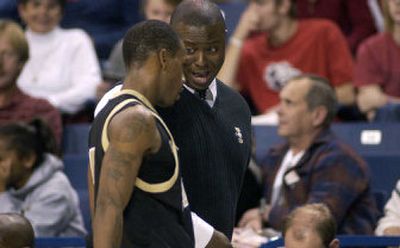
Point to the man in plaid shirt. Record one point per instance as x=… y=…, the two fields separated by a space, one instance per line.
x=313 y=166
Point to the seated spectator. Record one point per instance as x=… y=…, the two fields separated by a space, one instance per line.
x=106 y=21
x=310 y=226
x=284 y=47
x=14 y=104
x=32 y=181
x=353 y=17
x=15 y=231
x=313 y=166
x=389 y=224
x=114 y=69
x=62 y=65
x=377 y=71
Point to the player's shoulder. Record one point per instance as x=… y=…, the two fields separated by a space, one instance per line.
x=136 y=117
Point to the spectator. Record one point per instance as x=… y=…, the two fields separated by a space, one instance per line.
x=62 y=66
x=282 y=48
x=313 y=166
x=377 y=71
x=159 y=9
x=353 y=17
x=389 y=224
x=14 y=104
x=32 y=181
x=105 y=20
x=310 y=226
x=15 y=231
x=114 y=70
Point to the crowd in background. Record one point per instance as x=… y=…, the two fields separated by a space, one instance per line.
x=59 y=57
x=363 y=87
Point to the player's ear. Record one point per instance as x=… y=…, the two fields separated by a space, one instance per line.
x=163 y=57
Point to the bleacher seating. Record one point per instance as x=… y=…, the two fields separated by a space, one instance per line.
x=351 y=133
x=75 y=167
x=371 y=138
x=381 y=197
x=85 y=208
x=75 y=138
x=59 y=242
x=385 y=171
x=377 y=143
x=351 y=241
x=232 y=13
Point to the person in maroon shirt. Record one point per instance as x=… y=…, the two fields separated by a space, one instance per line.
x=15 y=105
x=352 y=16
x=377 y=70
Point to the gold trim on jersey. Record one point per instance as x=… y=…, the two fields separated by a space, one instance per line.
x=92 y=162
x=136 y=94
x=141 y=184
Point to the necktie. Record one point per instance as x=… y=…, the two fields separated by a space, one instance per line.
x=202 y=93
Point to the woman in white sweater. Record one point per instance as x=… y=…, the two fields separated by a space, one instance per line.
x=62 y=67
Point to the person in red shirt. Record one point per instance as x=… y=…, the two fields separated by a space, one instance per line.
x=15 y=105
x=377 y=70
x=353 y=17
x=260 y=64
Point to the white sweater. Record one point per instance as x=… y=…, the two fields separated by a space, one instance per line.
x=392 y=212
x=62 y=68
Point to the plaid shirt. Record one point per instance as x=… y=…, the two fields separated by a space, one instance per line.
x=329 y=172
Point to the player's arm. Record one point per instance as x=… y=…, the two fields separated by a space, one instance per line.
x=206 y=236
x=219 y=240
x=132 y=134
